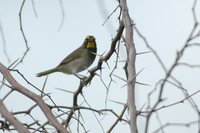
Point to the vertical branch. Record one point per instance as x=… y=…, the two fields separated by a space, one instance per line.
x=21 y=25
x=23 y=34
x=131 y=55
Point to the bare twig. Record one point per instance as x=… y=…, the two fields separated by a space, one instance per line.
x=175 y=124
x=23 y=34
x=34 y=9
x=110 y=15
x=149 y=46
x=172 y=104
x=118 y=119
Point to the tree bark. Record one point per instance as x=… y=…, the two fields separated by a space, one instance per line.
x=130 y=67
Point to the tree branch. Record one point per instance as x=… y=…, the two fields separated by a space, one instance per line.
x=93 y=70
x=130 y=67
x=9 y=117
x=36 y=98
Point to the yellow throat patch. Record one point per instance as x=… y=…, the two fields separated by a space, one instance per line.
x=91 y=45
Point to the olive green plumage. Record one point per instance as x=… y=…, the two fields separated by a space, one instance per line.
x=79 y=60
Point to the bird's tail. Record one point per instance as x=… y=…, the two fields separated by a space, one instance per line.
x=46 y=72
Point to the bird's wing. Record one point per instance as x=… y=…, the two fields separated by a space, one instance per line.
x=73 y=56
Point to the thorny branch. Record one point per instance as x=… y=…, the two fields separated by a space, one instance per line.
x=23 y=35
x=93 y=70
x=70 y=112
x=169 y=73
x=21 y=89
x=9 y=117
x=130 y=67
x=82 y=83
x=118 y=119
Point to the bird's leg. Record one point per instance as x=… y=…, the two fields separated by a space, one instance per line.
x=81 y=77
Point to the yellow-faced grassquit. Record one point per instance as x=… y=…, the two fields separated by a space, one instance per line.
x=79 y=60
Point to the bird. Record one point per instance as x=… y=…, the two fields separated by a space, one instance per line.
x=79 y=60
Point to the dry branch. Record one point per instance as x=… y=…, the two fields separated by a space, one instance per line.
x=130 y=67
x=36 y=98
x=93 y=70
x=9 y=117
